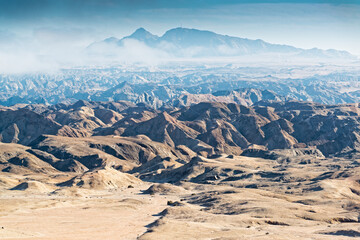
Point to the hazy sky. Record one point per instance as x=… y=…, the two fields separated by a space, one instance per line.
x=63 y=25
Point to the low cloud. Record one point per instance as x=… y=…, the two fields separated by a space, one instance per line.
x=131 y=52
x=52 y=49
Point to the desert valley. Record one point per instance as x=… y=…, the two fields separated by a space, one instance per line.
x=165 y=120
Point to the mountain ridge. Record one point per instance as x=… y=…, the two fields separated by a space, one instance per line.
x=191 y=42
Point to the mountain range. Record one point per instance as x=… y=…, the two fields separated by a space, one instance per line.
x=205 y=128
x=182 y=88
x=185 y=42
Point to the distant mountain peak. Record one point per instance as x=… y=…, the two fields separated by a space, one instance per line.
x=142 y=33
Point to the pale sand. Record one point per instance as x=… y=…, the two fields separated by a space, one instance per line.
x=121 y=214
x=298 y=207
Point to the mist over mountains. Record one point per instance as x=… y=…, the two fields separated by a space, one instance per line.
x=194 y=43
x=48 y=53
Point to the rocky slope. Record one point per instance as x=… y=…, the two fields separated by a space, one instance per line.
x=206 y=128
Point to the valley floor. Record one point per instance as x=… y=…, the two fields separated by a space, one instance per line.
x=260 y=206
x=122 y=214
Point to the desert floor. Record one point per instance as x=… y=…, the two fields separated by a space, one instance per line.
x=122 y=214
x=252 y=204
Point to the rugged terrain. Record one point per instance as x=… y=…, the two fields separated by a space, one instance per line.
x=183 y=84
x=206 y=170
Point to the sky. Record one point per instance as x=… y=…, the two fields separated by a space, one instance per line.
x=60 y=27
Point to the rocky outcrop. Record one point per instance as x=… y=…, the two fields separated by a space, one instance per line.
x=23 y=126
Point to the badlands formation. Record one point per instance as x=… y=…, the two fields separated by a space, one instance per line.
x=205 y=170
